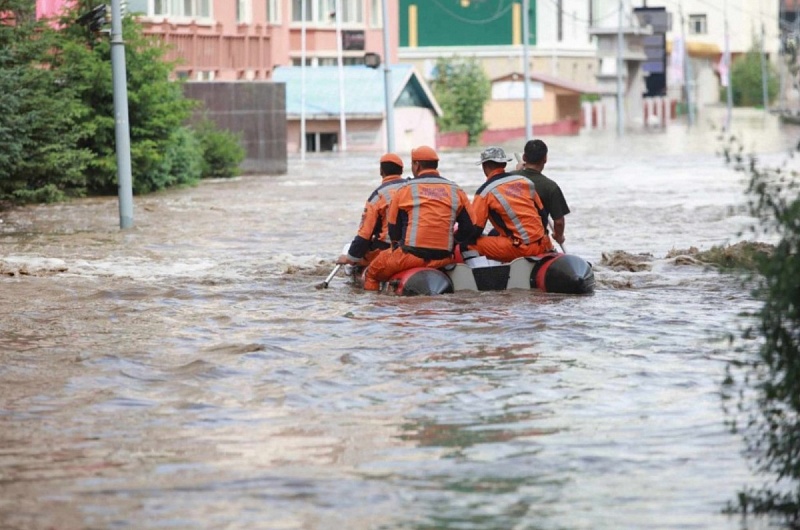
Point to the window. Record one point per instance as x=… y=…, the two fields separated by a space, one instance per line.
x=243 y=11
x=697 y=25
x=376 y=13
x=182 y=8
x=273 y=12
x=352 y=11
x=334 y=61
x=317 y=142
x=316 y=10
x=137 y=6
x=324 y=11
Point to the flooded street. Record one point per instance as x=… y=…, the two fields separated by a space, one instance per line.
x=186 y=373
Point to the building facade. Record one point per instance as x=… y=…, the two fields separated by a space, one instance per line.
x=247 y=39
x=697 y=31
x=559 y=42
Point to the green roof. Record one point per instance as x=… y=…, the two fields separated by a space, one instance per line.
x=363 y=90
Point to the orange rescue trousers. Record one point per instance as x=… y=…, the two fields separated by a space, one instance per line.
x=391 y=261
x=502 y=248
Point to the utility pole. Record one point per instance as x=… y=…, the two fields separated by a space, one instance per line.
x=387 y=80
x=526 y=69
x=303 y=145
x=339 y=52
x=122 y=128
x=687 y=70
x=620 y=110
x=728 y=72
x=764 y=91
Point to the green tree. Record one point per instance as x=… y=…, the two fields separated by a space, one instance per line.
x=762 y=390
x=157 y=108
x=41 y=158
x=746 y=80
x=462 y=89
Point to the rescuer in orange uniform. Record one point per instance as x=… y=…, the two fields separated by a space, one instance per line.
x=421 y=218
x=511 y=203
x=373 y=232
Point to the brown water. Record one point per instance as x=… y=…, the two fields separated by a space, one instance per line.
x=187 y=374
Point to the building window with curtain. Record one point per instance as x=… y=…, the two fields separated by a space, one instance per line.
x=243 y=11
x=352 y=11
x=376 y=14
x=180 y=8
x=273 y=12
x=317 y=11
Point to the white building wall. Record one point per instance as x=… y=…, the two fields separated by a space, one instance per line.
x=745 y=18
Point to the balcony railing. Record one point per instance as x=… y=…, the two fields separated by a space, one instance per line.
x=206 y=52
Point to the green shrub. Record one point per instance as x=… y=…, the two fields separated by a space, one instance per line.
x=180 y=164
x=222 y=151
x=762 y=389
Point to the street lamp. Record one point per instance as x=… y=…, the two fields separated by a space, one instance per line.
x=372 y=60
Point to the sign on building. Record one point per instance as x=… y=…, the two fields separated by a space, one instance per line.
x=353 y=40
x=655 y=48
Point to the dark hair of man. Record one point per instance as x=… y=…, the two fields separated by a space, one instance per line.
x=390 y=168
x=535 y=151
x=492 y=165
x=428 y=164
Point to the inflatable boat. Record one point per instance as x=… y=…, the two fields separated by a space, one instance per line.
x=549 y=273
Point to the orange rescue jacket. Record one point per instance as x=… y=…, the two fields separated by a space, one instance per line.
x=512 y=205
x=373 y=231
x=423 y=214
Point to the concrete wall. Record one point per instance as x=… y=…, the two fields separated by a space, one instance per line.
x=254 y=109
x=414 y=126
x=556 y=106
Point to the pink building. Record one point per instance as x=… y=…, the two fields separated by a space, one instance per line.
x=246 y=39
x=251 y=40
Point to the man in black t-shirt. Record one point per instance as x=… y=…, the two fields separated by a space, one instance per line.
x=555 y=205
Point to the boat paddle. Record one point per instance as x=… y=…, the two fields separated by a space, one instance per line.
x=324 y=285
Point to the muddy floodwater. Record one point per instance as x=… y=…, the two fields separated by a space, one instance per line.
x=186 y=373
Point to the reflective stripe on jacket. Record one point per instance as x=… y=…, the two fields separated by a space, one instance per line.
x=373 y=231
x=512 y=205
x=423 y=213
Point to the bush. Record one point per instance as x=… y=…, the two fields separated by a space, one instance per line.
x=222 y=151
x=180 y=164
x=765 y=386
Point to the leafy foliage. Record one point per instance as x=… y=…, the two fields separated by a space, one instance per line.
x=462 y=89
x=57 y=118
x=157 y=108
x=766 y=386
x=41 y=158
x=746 y=80
x=222 y=151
